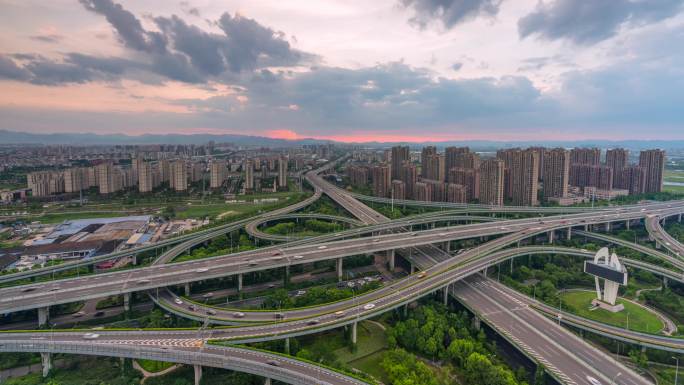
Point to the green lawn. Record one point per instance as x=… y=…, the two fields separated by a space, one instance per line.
x=370 y=339
x=154 y=366
x=674 y=189
x=640 y=319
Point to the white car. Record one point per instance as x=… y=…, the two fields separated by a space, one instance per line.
x=339 y=314
x=143 y=281
x=298 y=257
x=322 y=247
x=369 y=306
x=593 y=381
x=90 y=336
x=178 y=301
x=202 y=270
x=238 y=314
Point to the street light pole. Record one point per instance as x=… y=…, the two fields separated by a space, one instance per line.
x=676 y=370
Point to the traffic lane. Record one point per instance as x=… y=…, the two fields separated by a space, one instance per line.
x=653 y=339
x=507 y=317
x=591 y=356
x=280 y=329
x=256 y=362
x=425 y=237
x=96 y=290
x=189 y=271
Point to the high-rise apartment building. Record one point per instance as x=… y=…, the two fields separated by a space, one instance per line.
x=282 y=172
x=452 y=155
x=248 y=166
x=469 y=178
x=45 y=183
x=524 y=177
x=425 y=161
x=179 y=175
x=75 y=179
x=165 y=170
x=409 y=175
x=616 y=158
x=145 y=177
x=358 y=175
x=398 y=189
x=217 y=173
x=381 y=181
x=400 y=155
x=433 y=167
x=653 y=163
x=556 y=173
x=541 y=151
x=590 y=156
x=423 y=191
x=106 y=178
x=585 y=175
x=634 y=179
x=456 y=193
x=491 y=182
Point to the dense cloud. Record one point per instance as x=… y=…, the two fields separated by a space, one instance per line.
x=449 y=12
x=590 y=21
x=178 y=51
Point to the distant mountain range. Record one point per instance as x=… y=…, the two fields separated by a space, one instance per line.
x=14 y=137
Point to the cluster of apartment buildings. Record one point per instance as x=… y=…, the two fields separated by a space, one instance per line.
x=515 y=175
x=147 y=175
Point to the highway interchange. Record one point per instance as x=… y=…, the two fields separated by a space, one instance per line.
x=382 y=235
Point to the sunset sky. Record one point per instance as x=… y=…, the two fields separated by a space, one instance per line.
x=387 y=70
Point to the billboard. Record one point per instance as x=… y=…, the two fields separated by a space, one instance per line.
x=606 y=272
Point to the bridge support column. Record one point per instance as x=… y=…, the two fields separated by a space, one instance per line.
x=627 y=222
x=286 y=277
x=390 y=257
x=46 y=361
x=569 y=233
x=287 y=345
x=340 y=270
x=187 y=289
x=134 y=259
x=353 y=333
x=446 y=295
x=43 y=316
x=239 y=287
x=267 y=381
x=551 y=234
x=476 y=323
x=664 y=282
x=413 y=268
x=679 y=218
x=446 y=246
x=608 y=227
x=198 y=374
x=586 y=227
x=127 y=302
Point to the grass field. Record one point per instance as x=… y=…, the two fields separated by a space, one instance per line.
x=154 y=366
x=640 y=319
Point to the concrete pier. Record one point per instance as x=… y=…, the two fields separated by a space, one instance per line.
x=340 y=270
x=198 y=374
x=46 y=361
x=43 y=316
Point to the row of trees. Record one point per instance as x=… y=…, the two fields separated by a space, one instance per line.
x=280 y=299
x=434 y=332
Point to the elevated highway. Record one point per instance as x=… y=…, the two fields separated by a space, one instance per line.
x=196 y=353
x=96 y=286
x=662 y=237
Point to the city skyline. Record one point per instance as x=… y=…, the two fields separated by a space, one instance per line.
x=397 y=71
